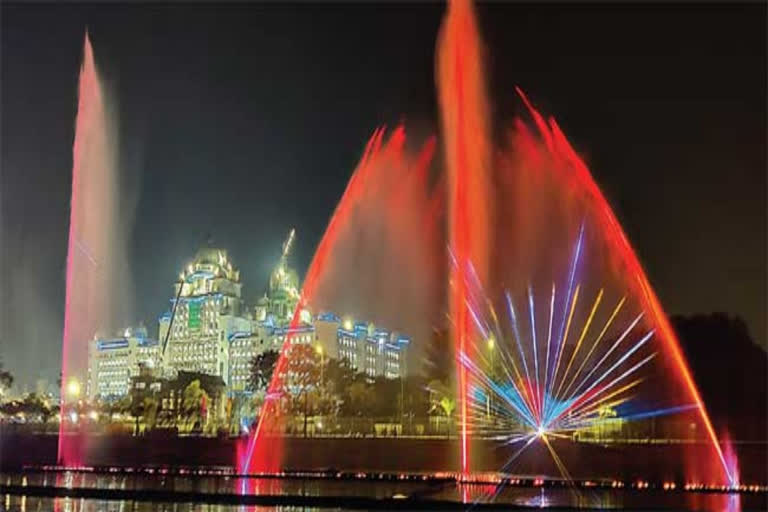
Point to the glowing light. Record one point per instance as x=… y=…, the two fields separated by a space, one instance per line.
x=560 y=341
x=548 y=416
x=73 y=388
x=596 y=342
x=581 y=338
x=533 y=342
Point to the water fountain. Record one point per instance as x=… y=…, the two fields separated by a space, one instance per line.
x=97 y=283
x=556 y=330
x=554 y=322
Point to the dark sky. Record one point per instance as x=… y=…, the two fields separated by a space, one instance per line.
x=244 y=121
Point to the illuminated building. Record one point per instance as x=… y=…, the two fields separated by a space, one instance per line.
x=283 y=290
x=209 y=310
x=244 y=346
x=373 y=351
x=607 y=428
x=327 y=327
x=112 y=362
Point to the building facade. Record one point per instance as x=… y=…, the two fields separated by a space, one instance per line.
x=208 y=311
x=243 y=347
x=112 y=362
x=209 y=331
x=278 y=304
x=373 y=351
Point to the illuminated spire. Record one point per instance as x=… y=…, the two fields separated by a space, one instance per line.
x=288 y=243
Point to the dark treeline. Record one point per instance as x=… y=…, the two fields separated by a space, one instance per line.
x=731 y=371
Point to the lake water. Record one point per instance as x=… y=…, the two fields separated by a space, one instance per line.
x=181 y=493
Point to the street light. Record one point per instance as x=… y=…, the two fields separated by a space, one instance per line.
x=73 y=388
x=492 y=351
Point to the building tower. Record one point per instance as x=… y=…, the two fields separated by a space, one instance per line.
x=283 y=292
x=209 y=311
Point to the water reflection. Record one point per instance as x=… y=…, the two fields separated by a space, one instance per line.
x=540 y=498
x=35 y=504
x=470 y=494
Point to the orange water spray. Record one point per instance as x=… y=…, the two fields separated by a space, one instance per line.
x=465 y=128
x=559 y=146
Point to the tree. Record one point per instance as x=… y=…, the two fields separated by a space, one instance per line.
x=416 y=400
x=301 y=375
x=730 y=371
x=386 y=397
x=12 y=408
x=262 y=367
x=442 y=400
x=439 y=359
x=32 y=406
x=361 y=398
x=447 y=405
x=192 y=401
x=36 y=406
x=121 y=406
x=6 y=379
x=137 y=411
x=151 y=407
x=339 y=375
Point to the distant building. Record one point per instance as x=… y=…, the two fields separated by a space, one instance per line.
x=272 y=317
x=283 y=291
x=209 y=310
x=113 y=361
x=209 y=331
x=243 y=347
x=327 y=327
x=373 y=351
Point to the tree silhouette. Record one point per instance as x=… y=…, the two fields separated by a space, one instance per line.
x=301 y=375
x=192 y=403
x=262 y=368
x=6 y=378
x=439 y=360
x=730 y=371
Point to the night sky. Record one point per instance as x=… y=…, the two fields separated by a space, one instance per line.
x=244 y=121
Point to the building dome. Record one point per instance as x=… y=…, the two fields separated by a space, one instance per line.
x=284 y=279
x=283 y=291
x=210 y=262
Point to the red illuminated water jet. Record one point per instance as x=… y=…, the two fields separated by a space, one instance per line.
x=465 y=119
x=95 y=260
x=582 y=180
x=388 y=192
